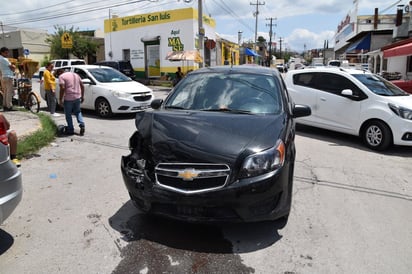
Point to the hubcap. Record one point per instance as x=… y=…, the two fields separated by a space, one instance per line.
x=374 y=136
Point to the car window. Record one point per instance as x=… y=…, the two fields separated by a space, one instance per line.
x=78 y=63
x=328 y=82
x=379 y=85
x=64 y=63
x=257 y=94
x=108 y=75
x=81 y=73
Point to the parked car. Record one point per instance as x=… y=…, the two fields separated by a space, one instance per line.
x=108 y=91
x=405 y=85
x=354 y=102
x=220 y=147
x=11 y=189
x=124 y=67
x=59 y=63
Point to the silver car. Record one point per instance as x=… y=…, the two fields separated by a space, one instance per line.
x=10 y=178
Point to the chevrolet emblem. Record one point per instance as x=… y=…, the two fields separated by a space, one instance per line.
x=188 y=174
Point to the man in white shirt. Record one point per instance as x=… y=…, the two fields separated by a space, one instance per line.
x=7 y=71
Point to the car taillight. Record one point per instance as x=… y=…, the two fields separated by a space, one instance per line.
x=3 y=134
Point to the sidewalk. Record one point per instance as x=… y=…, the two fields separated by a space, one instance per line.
x=24 y=123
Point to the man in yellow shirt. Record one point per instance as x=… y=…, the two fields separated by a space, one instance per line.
x=50 y=88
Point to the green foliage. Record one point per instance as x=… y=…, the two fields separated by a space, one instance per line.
x=44 y=61
x=39 y=139
x=82 y=45
x=261 y=39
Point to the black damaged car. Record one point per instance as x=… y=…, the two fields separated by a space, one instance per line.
x=219 y=148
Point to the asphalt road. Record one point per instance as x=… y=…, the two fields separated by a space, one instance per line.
x=351 y=214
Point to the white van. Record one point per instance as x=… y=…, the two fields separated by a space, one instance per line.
x=58 y=63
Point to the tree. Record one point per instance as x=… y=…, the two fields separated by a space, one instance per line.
x=82 y=45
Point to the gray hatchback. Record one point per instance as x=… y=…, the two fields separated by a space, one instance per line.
x=10 y=178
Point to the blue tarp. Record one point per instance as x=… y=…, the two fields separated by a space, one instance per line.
x=251 y=52
x=363 y=44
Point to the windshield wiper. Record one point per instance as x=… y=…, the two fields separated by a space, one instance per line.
x=174 y=107
x=228 y=110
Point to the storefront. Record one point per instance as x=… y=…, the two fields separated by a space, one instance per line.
x=148 y=39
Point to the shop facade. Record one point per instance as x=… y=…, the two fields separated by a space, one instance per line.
x=146 y=40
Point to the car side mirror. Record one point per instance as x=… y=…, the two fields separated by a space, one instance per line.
x=156 y=103
x=86 y=81
x=301 y=111
x=347 y=93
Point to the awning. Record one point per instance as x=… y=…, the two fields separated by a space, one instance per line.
x=398 y=51
x=251 y=52
x=185 y=55
x=363 y=44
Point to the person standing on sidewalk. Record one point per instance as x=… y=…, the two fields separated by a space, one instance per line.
x=7 y=74
x=50 y=88
x=71 y=96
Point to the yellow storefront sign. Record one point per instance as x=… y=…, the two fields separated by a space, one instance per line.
x=143 y=20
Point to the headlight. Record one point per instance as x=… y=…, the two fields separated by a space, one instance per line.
x=120 y=94
x=402 y=112
x=264 y=162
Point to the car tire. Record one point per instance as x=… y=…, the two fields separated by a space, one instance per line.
x=377 y=135
x=103 y=108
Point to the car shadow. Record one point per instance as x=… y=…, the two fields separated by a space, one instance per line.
x=6 y=241
x=134 y=225
x=341 y=139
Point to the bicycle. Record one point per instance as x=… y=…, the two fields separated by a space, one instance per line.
x=26 y=97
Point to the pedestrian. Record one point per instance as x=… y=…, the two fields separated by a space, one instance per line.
x=12 y=139
x=7 y=75
x=50 y=87
x=71 y=96
x=178 y=76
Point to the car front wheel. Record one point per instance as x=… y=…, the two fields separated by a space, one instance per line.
x=377 y=135
x=103 y=108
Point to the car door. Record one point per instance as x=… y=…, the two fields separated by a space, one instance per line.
x=334 y=110
x=89 y=89
x=303 y=91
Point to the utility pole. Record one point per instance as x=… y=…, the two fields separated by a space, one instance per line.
x=270 y=39
x=257 y=4
x=280 y=47
x=201 y=31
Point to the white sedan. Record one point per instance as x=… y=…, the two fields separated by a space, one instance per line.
x=107 y=91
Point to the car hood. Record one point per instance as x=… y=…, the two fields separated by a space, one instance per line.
x=404 y=101
x=126 y=87
x=206 y=137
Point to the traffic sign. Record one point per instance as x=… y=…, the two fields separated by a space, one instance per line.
x=26 y=52
x=67 y=42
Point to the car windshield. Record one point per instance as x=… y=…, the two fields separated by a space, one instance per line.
x=108 y=75
x=379 y=85
x=232 y=93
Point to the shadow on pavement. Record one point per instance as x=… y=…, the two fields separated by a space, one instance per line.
x=223 y=238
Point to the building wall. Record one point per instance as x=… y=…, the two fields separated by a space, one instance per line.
x=33 y=40
x=148 y=38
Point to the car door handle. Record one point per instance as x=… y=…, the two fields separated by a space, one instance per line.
x=322 y=98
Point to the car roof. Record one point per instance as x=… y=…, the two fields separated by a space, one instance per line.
x=330 y=69
x=247 y=69
x=87 y=66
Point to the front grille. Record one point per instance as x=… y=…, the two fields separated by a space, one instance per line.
x=142 y=97
x=192 y=178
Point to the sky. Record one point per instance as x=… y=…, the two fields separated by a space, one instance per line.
x=299 y=24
